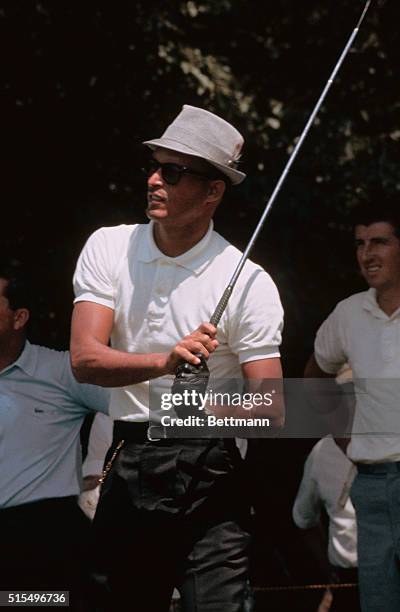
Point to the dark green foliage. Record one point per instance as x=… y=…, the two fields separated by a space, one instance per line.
x=85 y=83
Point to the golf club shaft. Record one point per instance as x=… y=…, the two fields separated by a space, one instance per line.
x=216 y=317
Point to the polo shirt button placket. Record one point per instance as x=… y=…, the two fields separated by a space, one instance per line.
x=388 y=341
x=160 y=296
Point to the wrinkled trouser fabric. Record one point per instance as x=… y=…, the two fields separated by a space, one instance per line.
x=175 y=513
x=376 y=498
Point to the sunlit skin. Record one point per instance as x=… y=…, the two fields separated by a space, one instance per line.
x=378 y=255
x=181 y=212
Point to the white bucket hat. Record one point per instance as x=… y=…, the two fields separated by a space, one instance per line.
x=200 y=133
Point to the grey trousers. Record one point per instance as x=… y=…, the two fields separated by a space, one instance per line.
x=376 y=497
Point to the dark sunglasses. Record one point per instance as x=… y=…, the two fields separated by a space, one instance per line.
x=171 y=173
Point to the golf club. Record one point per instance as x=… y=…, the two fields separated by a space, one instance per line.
x=196 y=376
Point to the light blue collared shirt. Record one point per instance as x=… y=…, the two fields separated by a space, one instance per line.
x=42 y=408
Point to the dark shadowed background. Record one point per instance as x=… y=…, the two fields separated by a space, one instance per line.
x=83 y=83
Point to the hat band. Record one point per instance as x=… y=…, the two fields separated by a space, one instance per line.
x=191 y=140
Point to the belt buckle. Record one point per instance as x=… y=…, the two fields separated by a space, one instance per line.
x=150 y=437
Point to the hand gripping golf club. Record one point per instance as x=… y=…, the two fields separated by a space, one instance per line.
x=188 y=376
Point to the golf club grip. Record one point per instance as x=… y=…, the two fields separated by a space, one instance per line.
x=222 y=304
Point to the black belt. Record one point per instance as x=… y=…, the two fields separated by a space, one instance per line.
x=389 y=467
x=130 y=431
x=142 y=432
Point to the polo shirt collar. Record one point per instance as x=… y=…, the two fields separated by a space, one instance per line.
x=371 y=305
x=26 y=361
x=194 y=260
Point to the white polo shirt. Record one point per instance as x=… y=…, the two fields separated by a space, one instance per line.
x=327 y=474
x=157 y=300
x=359 y=332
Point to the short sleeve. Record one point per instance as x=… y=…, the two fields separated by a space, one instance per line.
x=329 y=343
x=256 y=319
x=93 y=278
x=308 y=504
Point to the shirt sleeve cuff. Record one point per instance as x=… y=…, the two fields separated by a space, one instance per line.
x=89 y=297
x=252 y=355
x=325 y=365
x=92 y=467
x=303 y=522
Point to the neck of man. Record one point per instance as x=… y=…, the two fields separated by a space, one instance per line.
x=10 y=350
x=174 y=241
x=388 y=300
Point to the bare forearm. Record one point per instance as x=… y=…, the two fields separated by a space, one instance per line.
x=93 y=361
x=312 y=369
x=107 y=367
x=324 y=395
x=264 y=380
x=274 y=411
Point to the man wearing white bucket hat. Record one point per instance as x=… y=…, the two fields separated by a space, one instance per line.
x=202 y=134
x=173 y=512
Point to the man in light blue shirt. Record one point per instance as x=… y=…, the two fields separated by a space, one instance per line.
x=41 y=412
x=42 y=408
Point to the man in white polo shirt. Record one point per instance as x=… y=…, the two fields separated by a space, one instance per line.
x=364 y=330
x=174 y=512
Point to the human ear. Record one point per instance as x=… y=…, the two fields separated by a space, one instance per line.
x=21 y=317
x=216 y=190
